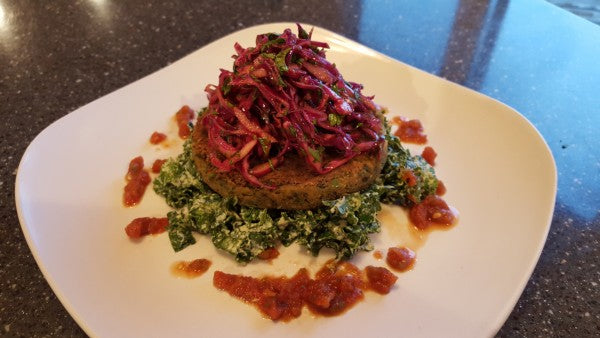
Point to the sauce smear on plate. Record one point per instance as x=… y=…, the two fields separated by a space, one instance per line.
x=143 y=226
x=191 y=269
x=335 y=288
x=410 y=131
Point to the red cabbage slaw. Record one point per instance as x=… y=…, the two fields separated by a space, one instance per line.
x=284 y=97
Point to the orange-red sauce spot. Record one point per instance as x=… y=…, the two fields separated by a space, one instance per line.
x=409 y=176
x=143 y=226
x=157 y=165
x=335 y=289
x=380 y=279
x=278 y=298
x=157 y=137
x=377 y=254
x=269 y=254
x=137 y=180
x=136 y=166
x=429 y=155
x=432 y=210
x=183 y=117
x=441 y=189
x=401 y=259
x=410 y=131
x=191 y=269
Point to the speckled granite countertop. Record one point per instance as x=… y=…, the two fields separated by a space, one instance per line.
x=57 y=56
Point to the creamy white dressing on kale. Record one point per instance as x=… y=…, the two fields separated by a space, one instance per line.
x=343 y=225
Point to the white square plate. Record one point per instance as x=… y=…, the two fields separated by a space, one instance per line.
x=498 y=170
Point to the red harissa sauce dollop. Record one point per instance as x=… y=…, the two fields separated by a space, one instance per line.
x=429 y=155
x=157 y=165
x=143 y=226
x=441 y=188
x=335 y=289
x=183 y=118
x=401 y=259
x=191 y=269
x=269 y=254
x=410 y=131
x=433 y=210
x=157 y=137
x=137 y=180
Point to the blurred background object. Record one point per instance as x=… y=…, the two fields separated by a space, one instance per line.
x=587 y=9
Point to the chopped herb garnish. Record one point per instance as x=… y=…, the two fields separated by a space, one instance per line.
x=267 y=45
x=302 y=34
x=272 y=36
x=280 y=60
x=336 y=89
x=226 y=86
x=335 y=183
x=202 y=111
x=293 y=131
x=264 y=143
x=316 y=153
x=335 y=119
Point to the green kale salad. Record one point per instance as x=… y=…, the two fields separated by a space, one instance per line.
x=342 y=225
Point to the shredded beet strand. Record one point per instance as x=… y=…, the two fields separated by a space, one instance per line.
x=283 y=97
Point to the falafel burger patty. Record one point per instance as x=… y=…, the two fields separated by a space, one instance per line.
x=297 y=185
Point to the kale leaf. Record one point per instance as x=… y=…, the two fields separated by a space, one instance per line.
x=179 y=181
x=395 y=188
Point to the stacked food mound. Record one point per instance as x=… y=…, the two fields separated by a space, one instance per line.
x=288 y=151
